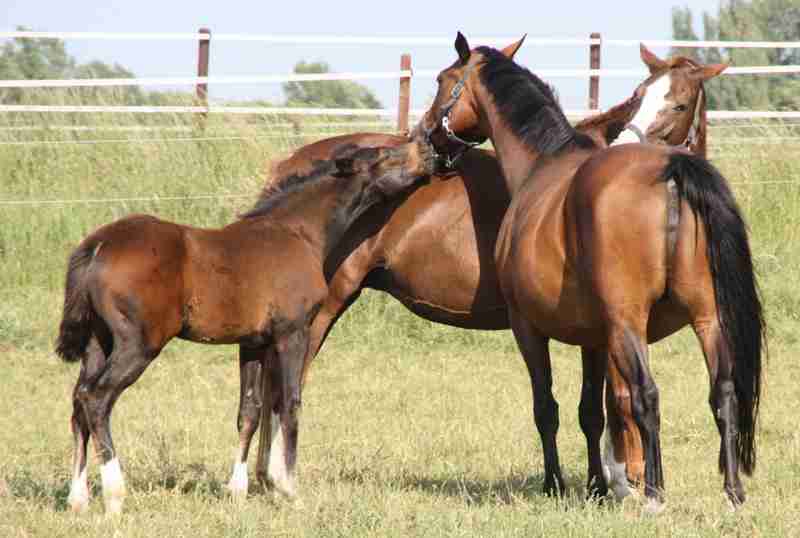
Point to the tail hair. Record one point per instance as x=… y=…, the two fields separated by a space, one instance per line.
x=739 y=309
x=75 y=330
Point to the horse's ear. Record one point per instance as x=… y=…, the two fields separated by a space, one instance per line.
x=709 y=71
x=653 y=62
x=512 y=49
x=344 y=167
x=462 y=48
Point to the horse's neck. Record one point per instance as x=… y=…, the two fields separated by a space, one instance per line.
x=652 y=103
x=516 y=158
x=319 y=213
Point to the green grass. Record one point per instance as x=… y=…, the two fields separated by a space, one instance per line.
x=408 y=428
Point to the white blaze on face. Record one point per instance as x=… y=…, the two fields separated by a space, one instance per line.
x=614 y=471
x=238 y=482
x=113 y=486
x=654 y=100
x=277 y=471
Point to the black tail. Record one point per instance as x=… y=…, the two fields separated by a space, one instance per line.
x=738 y=305
x=75 y=330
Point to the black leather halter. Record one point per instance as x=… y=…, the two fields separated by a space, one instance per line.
x=449 y=160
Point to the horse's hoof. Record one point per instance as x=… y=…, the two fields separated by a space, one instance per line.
x=113 y=505
x=286 y=488
x=736 y=498
x=237 y=486
x=78 y=506
x=554 y=487
x=78 y=499
x=653 y=506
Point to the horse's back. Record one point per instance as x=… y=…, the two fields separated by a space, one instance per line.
x=304 y=159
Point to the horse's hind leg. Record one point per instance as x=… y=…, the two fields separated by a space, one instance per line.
x=291 y=349
x=535 y=351
x=250 y=371
x=78 y=498
x=623 y=458
x=724 y=403
x=590 y=412
x=627 y=353
x=98 y=394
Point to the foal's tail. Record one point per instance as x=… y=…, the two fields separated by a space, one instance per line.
x=738 y=305
x=75 y=330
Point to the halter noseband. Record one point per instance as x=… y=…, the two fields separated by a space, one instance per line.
x=444 y=121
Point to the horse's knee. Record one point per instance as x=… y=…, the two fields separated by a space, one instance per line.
x=545 y=413
x=590 y=417
x=250 y=411
x=621 y=398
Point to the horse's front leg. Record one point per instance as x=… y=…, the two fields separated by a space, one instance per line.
x=534 y=349
x=251 y=362
x=592 y=420
x=291 y=347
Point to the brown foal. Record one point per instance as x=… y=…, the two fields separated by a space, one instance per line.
x=138 y=282
x=611 y=249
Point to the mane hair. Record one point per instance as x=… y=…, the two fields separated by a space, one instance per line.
x=292 y=181
x=528 y=105
x=613 y=121
x=278 y=190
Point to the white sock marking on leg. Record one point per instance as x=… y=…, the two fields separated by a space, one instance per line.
x=238 y=482
x=113 y=486
x=79 y=491
x=614 y=471
x=278 y=473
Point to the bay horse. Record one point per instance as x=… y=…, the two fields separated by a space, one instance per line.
x=136 y=283
x=611 y=249
x=457 y=216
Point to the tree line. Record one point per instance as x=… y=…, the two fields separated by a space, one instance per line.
x=740 y=20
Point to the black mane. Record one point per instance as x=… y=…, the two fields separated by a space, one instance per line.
x=528 y=105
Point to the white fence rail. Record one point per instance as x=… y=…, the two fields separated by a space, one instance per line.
x=300 y=39
x=403 y=74
x=370 y=112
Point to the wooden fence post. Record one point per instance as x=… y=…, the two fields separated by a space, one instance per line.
x=404 y=100
x=594 y=80
x=201 y=89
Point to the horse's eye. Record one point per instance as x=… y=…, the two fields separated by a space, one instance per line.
x=439 y=79
x=680 y=108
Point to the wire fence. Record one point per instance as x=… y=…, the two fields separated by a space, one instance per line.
x=729 y=128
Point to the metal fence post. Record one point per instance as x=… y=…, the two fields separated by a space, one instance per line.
x=594 y=80
x=404 y=100
x=201 y=89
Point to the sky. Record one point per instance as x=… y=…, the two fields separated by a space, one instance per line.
x=638 y=20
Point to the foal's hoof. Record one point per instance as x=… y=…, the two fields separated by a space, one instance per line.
x=78 y=506
x=78 y=499
x=736 y=498
x=113 y=505
x=653 y=506
x=237 y=486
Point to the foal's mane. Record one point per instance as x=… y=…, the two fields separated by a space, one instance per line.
x=290 y=180
x=613 y=121
x=528 y=105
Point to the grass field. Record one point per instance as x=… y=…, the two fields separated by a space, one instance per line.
x=408 y=428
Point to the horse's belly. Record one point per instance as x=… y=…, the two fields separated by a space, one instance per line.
x=551 y=299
